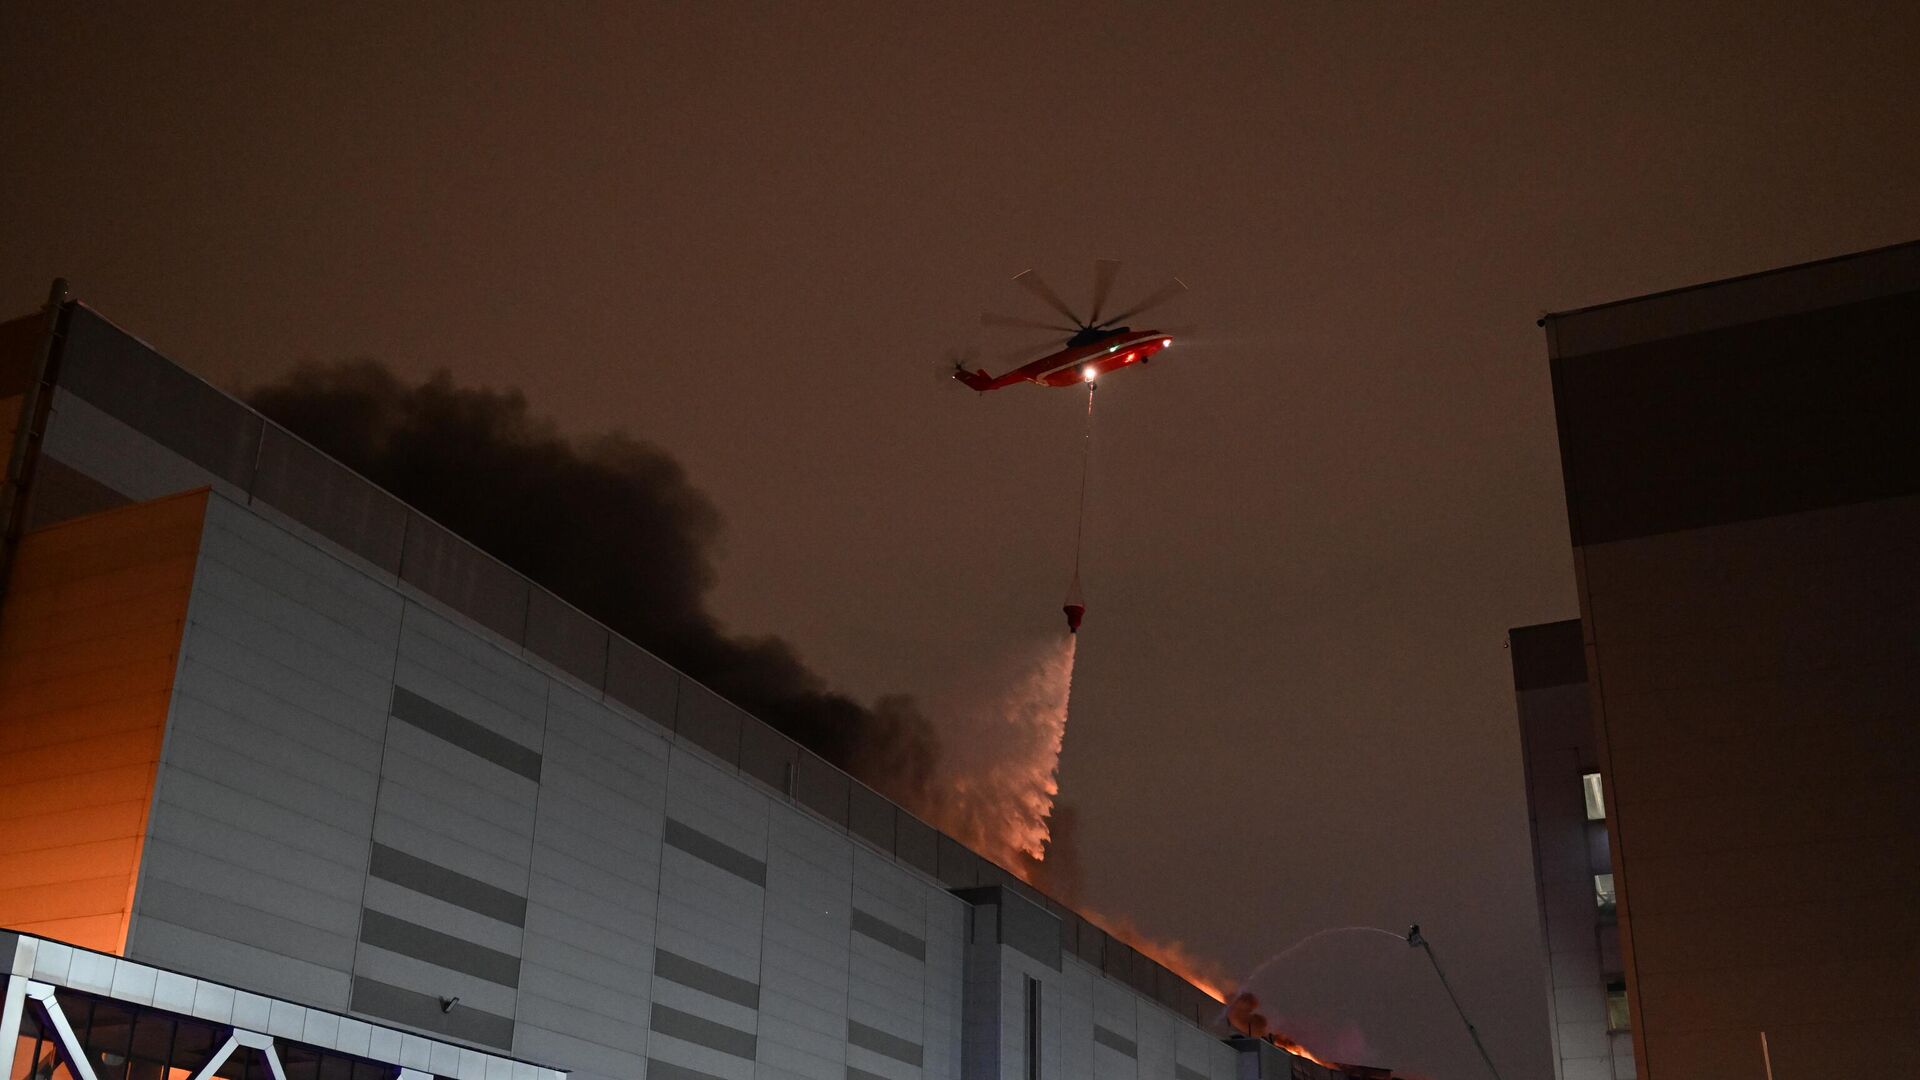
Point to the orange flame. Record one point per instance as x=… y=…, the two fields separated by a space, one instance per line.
x=999 y=799
x=1243 y=1016
x=1170 y=953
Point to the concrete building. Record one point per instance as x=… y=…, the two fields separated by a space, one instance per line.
x=302 y=786
x=1742 y=470
x=1572 y=860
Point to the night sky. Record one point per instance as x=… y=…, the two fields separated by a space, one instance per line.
x=749 y=235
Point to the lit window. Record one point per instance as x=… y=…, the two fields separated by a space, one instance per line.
x=1603 y=894
x=1596 y=804
x=1617 y=1015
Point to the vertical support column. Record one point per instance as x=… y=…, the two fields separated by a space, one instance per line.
x=10 y=1012
x=35 y=400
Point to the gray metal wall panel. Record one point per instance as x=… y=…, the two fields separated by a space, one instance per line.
x=886 y=989
x=768 y=756
x=1115 y=1041
x=429 y=878
x=464 y=782
x=424 y=910
x=472 y=675
x=588 y=949
x=916 y=843
x=704 y=1032
x=264 y=801
x=117 y=457
x=880 y=1042
x=464 y=578
x=140 y=387
x=666 y=1070
x=713 y=800
x=457 y=730
x=587 y=1059
x=959 y=868
x=907 y=944
x=332 y=500
x=870 y=816
x=217 y=916
x=805 y=947
x=558 y=633
x=1030 y=928
x=374 y=998
x=443 y=950
x=697 y=976
x=264 y=970
x=712 y=722
x=822 y=788
x=642 y=682
x=708 y=850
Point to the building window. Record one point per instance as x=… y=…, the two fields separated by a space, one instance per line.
x=1596 y=803
x=1033 y=1029
x=1603 y=895
x=1617 y=1015
x=124 y=1041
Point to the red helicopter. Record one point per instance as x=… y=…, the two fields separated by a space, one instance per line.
x=1095 y=345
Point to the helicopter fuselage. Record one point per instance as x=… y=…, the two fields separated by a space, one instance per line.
x=1088 y=355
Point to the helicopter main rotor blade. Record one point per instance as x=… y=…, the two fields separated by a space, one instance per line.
x=1164 y=294
x=1104 y=271
x=1031 y=282
x=1031 y=352
x=990 y=319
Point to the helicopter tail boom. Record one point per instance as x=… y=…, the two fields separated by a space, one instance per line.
x=974 y=380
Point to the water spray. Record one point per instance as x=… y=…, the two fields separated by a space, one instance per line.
x=1414 y=939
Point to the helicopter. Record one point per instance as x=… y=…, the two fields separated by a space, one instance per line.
x=1094 y=347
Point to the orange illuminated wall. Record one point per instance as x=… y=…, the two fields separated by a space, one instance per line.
x=90 y=631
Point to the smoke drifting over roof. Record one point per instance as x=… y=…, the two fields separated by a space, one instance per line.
x=610 y=523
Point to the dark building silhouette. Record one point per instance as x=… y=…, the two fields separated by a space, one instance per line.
x=1742 y=470
x=1572 y=861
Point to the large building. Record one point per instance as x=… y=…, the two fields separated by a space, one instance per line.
x=1742 y=470
x=301 y=786
x=1572 y=860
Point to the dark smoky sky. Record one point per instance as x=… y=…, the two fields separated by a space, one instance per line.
x=747 y=235
x=640 y=557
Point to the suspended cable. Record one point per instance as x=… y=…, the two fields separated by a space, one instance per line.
x=1075 y=608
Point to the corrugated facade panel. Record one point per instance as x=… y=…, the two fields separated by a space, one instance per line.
x=459 y=788
x=85 y=438
x=805 y=958
x=271 y=765
x=1075 y=1020
x=887 y=974
x=329 y=498
x=126 y=379
x=711 y=913
x=1154 y=1037
x=589 y=943
x=89 y=646
x=945 y=974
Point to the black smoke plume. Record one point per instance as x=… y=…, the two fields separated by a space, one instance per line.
x=609 y=523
